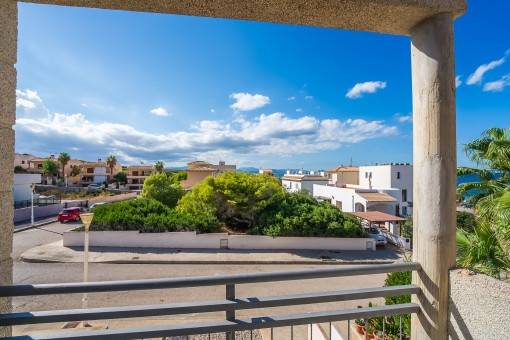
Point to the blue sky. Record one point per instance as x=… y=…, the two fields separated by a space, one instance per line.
x=148 y=87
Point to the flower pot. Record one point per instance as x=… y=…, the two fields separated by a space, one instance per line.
x=360 y=329
x=367 y=335
x=378 y=338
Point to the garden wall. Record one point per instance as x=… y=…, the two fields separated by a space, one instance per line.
x=25 y=214
x=192 y=240
x=403 y=242
x=111 y=199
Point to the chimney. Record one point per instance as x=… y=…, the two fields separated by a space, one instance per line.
x=52 y=157
x=99 y=160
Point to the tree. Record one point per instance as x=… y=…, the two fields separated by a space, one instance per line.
x=76 y=170
x=235 y=199
x=162 y=189
x=159 y=166
x=491 y=153
x=63 y=159
x=482 y=251
x=120 y=177
x=111 y=161
x=50 y=168
x=487 y=248
x=18 y=169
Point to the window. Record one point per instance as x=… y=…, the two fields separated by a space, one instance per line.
x=22 y=162
x=398 y=174
x=404 y=195
x=366 y=174
x=404 y=211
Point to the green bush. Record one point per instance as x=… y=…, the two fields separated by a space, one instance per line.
x=398 y=279
x=466 y=221
x=299 y=214
x=162 y=189
x=147 y=216
x=234 y=199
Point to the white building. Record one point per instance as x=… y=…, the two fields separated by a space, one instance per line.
x=386 y=188
x=21 y=189
x=303 y=180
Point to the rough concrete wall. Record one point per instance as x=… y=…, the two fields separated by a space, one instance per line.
x=479 y=306
x=8 y=45
x=26 y=213
x=382 y=16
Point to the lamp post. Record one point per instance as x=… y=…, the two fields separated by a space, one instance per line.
x=32 y=187
x=86 y=219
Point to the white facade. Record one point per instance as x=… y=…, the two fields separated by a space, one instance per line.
x=21 y=189
x=395 y=180
x=303 y=180
x=99 y=170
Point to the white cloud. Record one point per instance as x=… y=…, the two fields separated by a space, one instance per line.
x=309 y=97
x=367 y=87
x=84 y=105
x=477 y=76
x=212 y=111
x=404 y=118
x=498 y=85
x=248 y=102
x=272 y=134
x=160 y=112
x=27 y=104
x=299 y=110
x=291 y=98
x=458 y=82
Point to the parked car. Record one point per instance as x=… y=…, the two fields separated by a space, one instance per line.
x=71 y=214
x=376 y=234
x=98 y=203
x=94 y=186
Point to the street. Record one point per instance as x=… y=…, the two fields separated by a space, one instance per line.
x=35 y=273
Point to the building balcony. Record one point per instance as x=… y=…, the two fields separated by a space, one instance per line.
x=137 y=176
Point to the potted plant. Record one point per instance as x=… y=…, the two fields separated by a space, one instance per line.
x=360 y=325
x=369 y=331
x=378 y=335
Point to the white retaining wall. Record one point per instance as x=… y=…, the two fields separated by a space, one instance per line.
x=25 y=214
x=404 y=242
x=191 y=240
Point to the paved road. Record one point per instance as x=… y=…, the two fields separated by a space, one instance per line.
x=33 y=273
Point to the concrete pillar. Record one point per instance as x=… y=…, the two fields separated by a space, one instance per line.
x=435 y=170
x=8 y=44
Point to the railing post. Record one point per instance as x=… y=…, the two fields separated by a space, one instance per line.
x=435 y=171
x=230 y=315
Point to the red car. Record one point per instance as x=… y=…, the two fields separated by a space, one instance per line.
x=71 y=214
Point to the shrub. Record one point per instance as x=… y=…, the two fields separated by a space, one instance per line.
x=162 y=189
x=466 y=221
x=398 y=279
x=235 y=199
x=146 y=215
x=301 y=215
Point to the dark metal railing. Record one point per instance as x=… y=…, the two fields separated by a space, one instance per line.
x=229 y=305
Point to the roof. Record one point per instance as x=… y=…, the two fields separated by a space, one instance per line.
x=377 y=197
x=377 y=216
x=300 y=178
x=141 y=167
x=201 y=168
x=344 y=168
x=199 y=162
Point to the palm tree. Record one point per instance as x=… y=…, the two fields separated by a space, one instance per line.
x=111 y=161
x=50 y=168
x=491 y=152
x=482 y=252
x=159 y=166
x=63 y=159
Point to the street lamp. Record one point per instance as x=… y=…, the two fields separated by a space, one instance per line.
x=86 y=219
x=32 y=187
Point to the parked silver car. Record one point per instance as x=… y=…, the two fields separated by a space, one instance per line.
x=376 y=234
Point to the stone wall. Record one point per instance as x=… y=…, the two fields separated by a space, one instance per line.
x=479 y=306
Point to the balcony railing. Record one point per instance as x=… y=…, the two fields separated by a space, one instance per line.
x=229 y=305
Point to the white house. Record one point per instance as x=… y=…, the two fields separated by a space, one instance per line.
x=303 y=180
x=386 y=188
x=21 y=189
